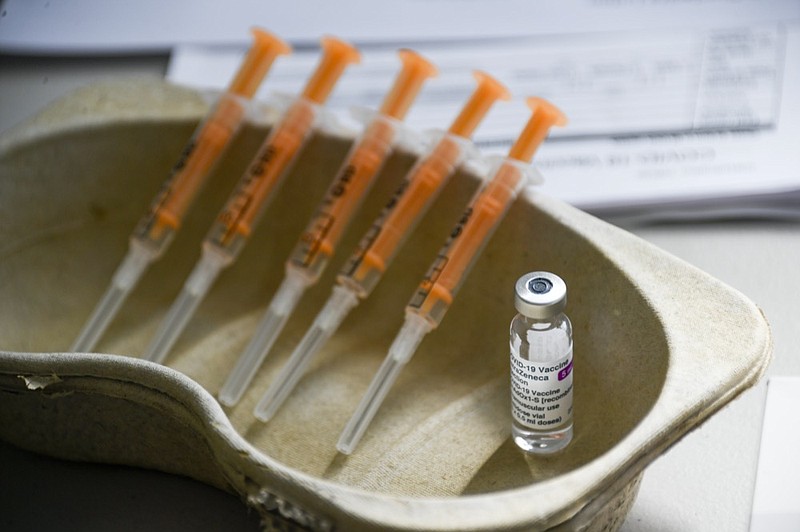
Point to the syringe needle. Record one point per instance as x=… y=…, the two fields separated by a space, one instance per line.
x=412 y=333
x=361 y=418
x=123 y=281
x=195 y=288
x=277 y=314
x=341 y=302
x=272 y=400
x=100 y=319
x=172 y=326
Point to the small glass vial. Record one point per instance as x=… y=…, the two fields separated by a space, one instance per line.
x=541 y=365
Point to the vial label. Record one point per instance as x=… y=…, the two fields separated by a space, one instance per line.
x=541 y=392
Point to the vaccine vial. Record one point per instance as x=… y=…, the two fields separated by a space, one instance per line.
x=541 y=365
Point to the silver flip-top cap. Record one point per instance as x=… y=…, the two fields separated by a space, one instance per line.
x=540 y=295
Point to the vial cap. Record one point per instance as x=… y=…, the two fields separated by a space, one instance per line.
x=540 y=295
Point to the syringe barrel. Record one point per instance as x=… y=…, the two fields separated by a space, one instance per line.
x=466 y=242
x=345 y=195
x=263 y=176
x=398 y=219
x=205 y=148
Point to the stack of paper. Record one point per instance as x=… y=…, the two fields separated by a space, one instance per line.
x=677 y=110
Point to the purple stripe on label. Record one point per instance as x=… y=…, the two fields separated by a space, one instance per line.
x=564 y=373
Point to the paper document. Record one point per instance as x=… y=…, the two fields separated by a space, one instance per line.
x=776 y=502
x=677 y=109
x=92 y=26
x=663 y=124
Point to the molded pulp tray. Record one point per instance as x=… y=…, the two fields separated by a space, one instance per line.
x=659 y=345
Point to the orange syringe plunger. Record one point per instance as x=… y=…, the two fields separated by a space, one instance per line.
x=416 y=69
x=209 y=142
x=483 y=215
x=266 y=47
x=422 y=184
x=269 y=166
x=489 y=90
x=545 y=115
x=337 y=55
x=356 y=175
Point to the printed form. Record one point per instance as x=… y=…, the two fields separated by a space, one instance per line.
x=681 y=120
x=678 y=108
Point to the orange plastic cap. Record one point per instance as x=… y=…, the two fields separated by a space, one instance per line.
x=488 y=91
x=416 y=69
x=545 y=115
x=266 y=47
x=336 y=55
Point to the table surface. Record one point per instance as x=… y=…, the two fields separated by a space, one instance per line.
x=705 y=482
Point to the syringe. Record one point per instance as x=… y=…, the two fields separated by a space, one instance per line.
x=379 y=246
x=436 y=292
x=158 y=226
x=318 y=242
x=244 y=207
